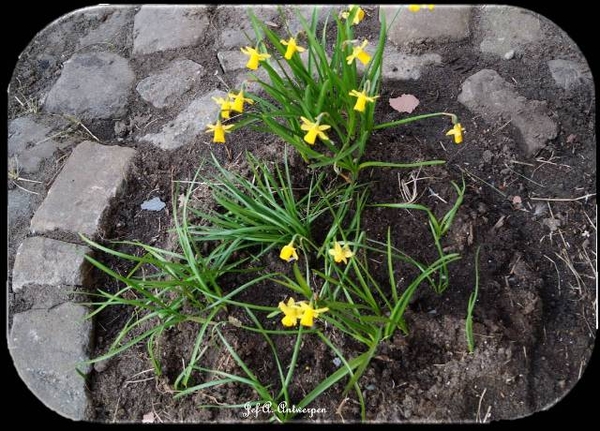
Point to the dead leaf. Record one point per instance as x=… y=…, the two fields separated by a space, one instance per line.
x=405 y=103
x=148 y=418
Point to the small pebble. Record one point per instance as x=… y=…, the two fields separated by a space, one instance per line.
x=509 y=55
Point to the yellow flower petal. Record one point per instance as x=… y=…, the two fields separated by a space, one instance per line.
x=457 y=131
x=255 y=57
x=359 y=53
x=339 y=253
x=313 y=130
x=238 y=101
x=219 y=131
x=288 y=252
x=309 y=314
x=292 y=48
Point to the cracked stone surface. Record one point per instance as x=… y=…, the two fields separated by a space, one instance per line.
x=404 y=67
x=47 y=346
x=29 y=143
x=114 y=28
x=569 y=74
x=442 y=23
x=189 y=124
x=92 y=85
x=82 y=191
x=488 y=94
x=162 y=89
x=159 y=28
x=47 y=261
x=508 y=29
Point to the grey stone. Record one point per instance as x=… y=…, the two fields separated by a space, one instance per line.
x=154 y=204
x=189 y=124
x=488 y=156
x=441 y=24
x=509 y=55
x=20 y=207
x=29 y=143
x=232 y=60
x=568 y=74
x=162 y=89
x=81 y=193
x=508 y=28
x=159 y=28
x=92 y=85
x=114 y=29
x=47 y=346
x=404 y=67
x=486 y=93
x=323 y=12
x=47 y=261
x=235 y=27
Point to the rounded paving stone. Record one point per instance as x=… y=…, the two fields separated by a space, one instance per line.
x=92 y=85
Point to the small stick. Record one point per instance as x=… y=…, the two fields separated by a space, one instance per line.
x=589 y=195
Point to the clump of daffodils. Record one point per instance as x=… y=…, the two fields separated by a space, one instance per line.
x=316 y=98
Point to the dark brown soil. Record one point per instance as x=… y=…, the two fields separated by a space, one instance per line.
x=534 y=321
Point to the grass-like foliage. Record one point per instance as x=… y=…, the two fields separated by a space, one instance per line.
x=319 y=98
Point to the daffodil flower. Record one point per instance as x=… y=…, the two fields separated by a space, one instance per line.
x=457 y=131
x=219 y=131
x=339 y=253
x=288 y=252
x=360 y=14
x=362 y=99
x=417 y=8
x=309 y=313
x=255 y=57
x=225 y=105
x=359 y=53
x=238 y=101
x=292 y=312
x=313 y=130
x=291 y=48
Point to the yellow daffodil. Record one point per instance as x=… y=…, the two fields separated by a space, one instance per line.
x=238 y=101
x=457 y=131
x=362 y=99
x=292 y=312
x=225 y=105
x=417 y=7
x=314 y=130
x=291 y=48
x=309 y=313
x=360 y=53
x=255 y=57
x=360 y=14
x=339 y=253
x=219 y=131
x=288 y=252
